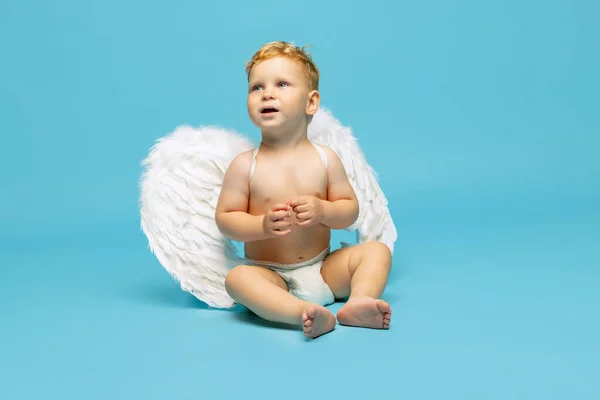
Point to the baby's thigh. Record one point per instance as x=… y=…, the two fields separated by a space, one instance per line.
x=340 y=265
x=244 y=275
x=336 y=272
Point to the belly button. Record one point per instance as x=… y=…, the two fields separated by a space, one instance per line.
x=300 y=258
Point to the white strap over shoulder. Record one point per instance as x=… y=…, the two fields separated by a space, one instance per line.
x=321 y=154
x=253 y=165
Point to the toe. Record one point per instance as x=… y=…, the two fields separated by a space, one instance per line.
x=383 y=307
x=311 y=311
x=308 y=323
x=304 y=316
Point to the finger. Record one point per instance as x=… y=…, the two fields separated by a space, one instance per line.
x=282 y=224
x=301 y=209
x=303 y=216
x=281 y=233
x=304 y=219
x=297 y=202
x=280 y=206
x=307 y=222
x=274 y=216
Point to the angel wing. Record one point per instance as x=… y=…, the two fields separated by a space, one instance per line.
x=180 y=187
x=374 y=221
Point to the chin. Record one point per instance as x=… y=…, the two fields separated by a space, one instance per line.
x=270 y=123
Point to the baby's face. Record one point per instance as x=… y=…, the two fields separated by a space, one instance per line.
x=278 y=94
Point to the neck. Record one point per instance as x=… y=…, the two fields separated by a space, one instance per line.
x=284 y=139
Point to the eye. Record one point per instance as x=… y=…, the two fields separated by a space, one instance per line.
x=283 y=84
x=256 y=87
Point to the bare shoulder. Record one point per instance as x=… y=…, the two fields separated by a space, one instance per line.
x=234 y=189
x=241 y=163
x=336 y=171
x=335 y=163
x=339 y=184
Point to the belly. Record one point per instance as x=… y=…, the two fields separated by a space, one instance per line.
x=302 y=244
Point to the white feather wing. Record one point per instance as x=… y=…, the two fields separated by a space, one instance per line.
x=374 y=222
x=180 y=187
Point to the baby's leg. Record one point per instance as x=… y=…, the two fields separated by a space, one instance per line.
x=266 y=294
x=361 y=272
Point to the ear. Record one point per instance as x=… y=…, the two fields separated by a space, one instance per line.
x=314 y=100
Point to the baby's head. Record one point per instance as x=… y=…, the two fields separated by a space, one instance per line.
x=283 y=84
x=290 y=52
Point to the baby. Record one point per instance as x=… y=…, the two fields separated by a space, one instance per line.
x=283 y=198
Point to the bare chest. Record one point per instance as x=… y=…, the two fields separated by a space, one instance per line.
x=277 y=182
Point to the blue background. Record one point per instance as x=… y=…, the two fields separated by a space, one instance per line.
x=481 y=119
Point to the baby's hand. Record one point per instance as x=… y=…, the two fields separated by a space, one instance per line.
x=308 y=209
x=276 y=220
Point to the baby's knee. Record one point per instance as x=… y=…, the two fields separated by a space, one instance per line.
x=379 y=249
x=235 y=277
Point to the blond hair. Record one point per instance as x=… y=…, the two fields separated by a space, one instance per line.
x=290 y=51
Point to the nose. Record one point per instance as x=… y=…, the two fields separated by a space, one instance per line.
x=267 y=94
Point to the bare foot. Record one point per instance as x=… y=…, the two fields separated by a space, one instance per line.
x=317 y=321
x=365 y=312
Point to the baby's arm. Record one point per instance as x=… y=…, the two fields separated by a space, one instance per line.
x=232 y=217
x=341 y=209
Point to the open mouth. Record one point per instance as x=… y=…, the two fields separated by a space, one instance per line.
x=269 y=110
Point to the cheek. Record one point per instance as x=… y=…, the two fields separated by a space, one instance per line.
x=251 y=110
x=299 y=104
x=250 y=104
x=291 y=100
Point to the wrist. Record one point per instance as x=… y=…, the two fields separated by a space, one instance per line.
x=241 y=226
x=339 y=214
x=262 y=231
x=326 y=207
x=263 y=227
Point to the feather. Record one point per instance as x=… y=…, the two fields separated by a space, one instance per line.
x=180 y=187
x=374 y=222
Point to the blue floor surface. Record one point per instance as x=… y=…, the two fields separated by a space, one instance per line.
x=483 y=309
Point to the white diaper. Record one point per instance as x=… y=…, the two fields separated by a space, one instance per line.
x=304 y=279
